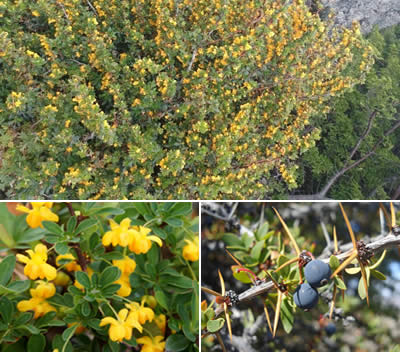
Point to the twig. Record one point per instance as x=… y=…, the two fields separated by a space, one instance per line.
x=364 y=135
x=91 y=6
x=81 y=257
x=70 y=209
x=377 y=244
x=192 y=60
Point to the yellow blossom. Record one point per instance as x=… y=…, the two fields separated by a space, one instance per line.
x=142 y=313
x=120 y=234
x=140 y=242
x=62 y=279
x=36 y=266
x=38 y=301
x=122 y=327
x=40 y=212
x=154 y=344
x=190 y=251
x=127 y=266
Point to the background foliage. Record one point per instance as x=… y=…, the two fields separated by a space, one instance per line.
x=378 y=176
x=358 y=327
x=85 y=294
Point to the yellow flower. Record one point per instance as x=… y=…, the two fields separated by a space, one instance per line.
x=120 y=234
x=126 y=265
x=141 y=242
x=125 y=289
x=143 y=314
x=40 y=212
x=121 y=328
x=36 y=266
x=191 y=250
x=154 y=344
x=38 y=301
x=70 y=266
x=161 y=322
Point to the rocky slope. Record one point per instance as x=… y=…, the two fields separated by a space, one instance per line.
x=383 y=13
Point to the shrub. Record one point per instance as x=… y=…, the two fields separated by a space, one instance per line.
x=160 y=99
x=77 y=285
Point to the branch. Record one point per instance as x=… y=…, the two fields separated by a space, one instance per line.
x=376 y=244
x=364 y=135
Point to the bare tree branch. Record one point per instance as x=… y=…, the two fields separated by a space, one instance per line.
x=364 y=135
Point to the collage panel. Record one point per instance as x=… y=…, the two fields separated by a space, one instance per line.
x=99 y=276
x=300 y=276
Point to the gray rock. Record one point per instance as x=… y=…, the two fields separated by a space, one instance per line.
x=383 y=13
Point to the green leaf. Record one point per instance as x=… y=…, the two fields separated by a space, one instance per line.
x=45 y=319
x=256 y=251
x=180 y=282
x=159 y=232
x=215 y=325
x=176 y=343
x=85 y=225
x=377 y=274
x=109 y=275
x=243 y=276
x=19 y=286
x=352 y=270
x=284 y=272
x=53 y=228
x=6 y=309
x=36 y=343
x=361 y=289
x=112 y=255
x=32 y=329
x=23 y=318
x=339 y=283
x=110 y=289
x=83 y=279
x=30 y=235
x=85 y=309
x=174 y=222
x=68 y=333
x=62 y=248
x=232 y=240
x=180 y=209
x=6 y=269
x=103 y=211
x=142 y=208
x=71 y=224
x=161 y=298
x=287 y=315
x=334 y=263
x=262 y=231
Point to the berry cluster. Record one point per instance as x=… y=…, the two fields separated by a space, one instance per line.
x=317 y=274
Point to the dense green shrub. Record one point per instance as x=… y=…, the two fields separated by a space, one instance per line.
x=159 y=99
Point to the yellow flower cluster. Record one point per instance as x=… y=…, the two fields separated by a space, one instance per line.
x=136 y=237
x=127 y=266
x=38 y=301
x=36 y=266
x=40 y=212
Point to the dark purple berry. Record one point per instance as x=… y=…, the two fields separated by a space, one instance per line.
x=305 y=296
x=330 y=329
x=317 y=273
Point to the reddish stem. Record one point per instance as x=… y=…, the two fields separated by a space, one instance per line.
x=248 y=271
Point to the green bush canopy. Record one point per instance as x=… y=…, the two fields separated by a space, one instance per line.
x=165 y=98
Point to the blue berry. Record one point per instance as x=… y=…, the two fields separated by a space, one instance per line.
x=330 y=329
x=317 y=273
x=305 y=296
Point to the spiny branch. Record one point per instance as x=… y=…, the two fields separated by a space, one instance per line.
x=376 y=244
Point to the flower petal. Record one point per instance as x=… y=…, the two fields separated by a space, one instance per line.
x=23 y=208
x=155 y=239
x=22 y=258
x=108 y=320
x=47 y=215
